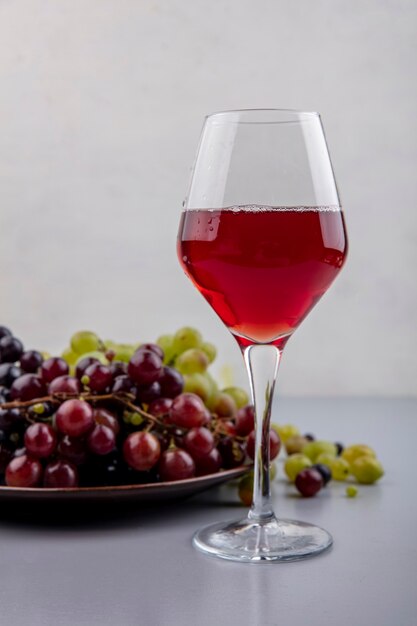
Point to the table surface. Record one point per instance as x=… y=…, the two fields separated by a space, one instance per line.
x=139 y=568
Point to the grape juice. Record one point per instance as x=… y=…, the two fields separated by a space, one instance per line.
x=262 y=269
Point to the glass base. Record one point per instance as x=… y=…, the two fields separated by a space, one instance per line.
x=266 y=540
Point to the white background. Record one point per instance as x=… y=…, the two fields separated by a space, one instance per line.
x=101 y=105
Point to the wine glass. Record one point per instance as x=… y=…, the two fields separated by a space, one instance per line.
x=262 y=237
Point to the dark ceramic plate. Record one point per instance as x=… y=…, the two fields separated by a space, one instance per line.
x=149 y=492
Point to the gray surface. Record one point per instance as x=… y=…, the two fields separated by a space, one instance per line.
x=142 y=570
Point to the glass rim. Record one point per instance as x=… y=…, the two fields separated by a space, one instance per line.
x=263 y=116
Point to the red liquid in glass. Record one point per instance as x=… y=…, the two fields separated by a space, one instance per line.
x=262 y=269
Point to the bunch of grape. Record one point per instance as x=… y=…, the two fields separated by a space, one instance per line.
x=312 y=463
x=109 y=414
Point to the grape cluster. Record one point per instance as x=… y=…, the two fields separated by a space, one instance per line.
x=112 y=414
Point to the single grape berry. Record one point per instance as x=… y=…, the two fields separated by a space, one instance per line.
x=148 y=393
x=23 y=471
x=160 y=407
x=74 y=418
x=172 y=382
x=60 y=475
x=52 y=368
x=11 y=349
x=28 y=387
x=141 y=450
x=309 y=482
x=274 y=444
x=209 y=464
x=40 y=440
x=64 y=384
x=245 y=420
x=9 y=373
x=187 y=410
x=9 y=418
x=118 y=368
x=325 y=471
x=31 y=361
x=145 y=367
x=199 y=442
x=176 y=464
x=5 y=332
x=232 y=452
x=101 y=440
x=73 y=450
x=100 y=377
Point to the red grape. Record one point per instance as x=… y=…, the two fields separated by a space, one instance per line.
x=64 y=384
x=141 y=450
x=60 y=475
x=101 y=440
x=160 y=407
x=274 y=444
x=74 y=418
x=199 y=442
x=106 y=418
x=52 y=368
x=22 y=471
x=100 y=377
x=232 y=452
x=309 y=482
x=27 y=387
x=176 y=464
x=245 y=420
x=40 y=440
x=145 y=367
x=209 y=464
x=83 y=364
x=73 y=450
x=188 y=410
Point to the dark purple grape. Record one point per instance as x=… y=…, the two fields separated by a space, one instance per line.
x=123 y=384
x=339 y=447
x=148 y=393
x=145 y=367
x=172 y=382
x=153 y=347
x=309 y=437
x=9 y=418
x=5 y=332
x=31 y=361
x=73 y=449
x=4 y=394
x=232 y=452
x=9 y=373
x=118 y=368
x=5 y=457
x=83 y=364
x=324 y=470
x=52 y=368
x=28 y=387
x=100 y=377
x=11 y=349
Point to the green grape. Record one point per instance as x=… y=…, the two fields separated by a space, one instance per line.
x=351 y=453
x=85 y=341
x=192 y=361
x=313 y=449
x=123 y=352
x=166 y=342
x=223 y=405
x=95 y=354
x=238 y=394
x=109 y=344
x=351 y=491
x=186 y=338
x=294 y=464
x=198 y=384
x=69 y=356
x=367 y=469
x=210 y=350
x=285 y=431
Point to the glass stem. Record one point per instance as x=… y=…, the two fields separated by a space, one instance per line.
x=262 y=363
